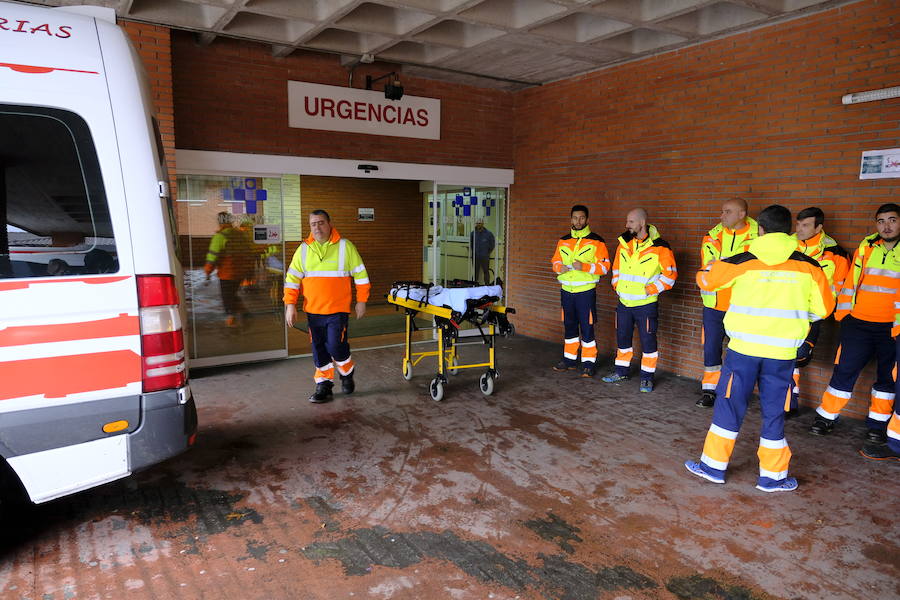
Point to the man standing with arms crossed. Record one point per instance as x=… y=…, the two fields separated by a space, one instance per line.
x=321 y=271
x=865 y=308
x=816 y=244
x=579 y=261
x=730 y=237
x=776 y=290
x=644 y=268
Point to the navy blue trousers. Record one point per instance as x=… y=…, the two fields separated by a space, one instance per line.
x=646 y=319
x=579 y=314
x=713 y=336
x=328 y=334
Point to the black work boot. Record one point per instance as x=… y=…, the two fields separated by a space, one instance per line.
x=821 y=426
x=876 y=436
x=347 y=383
x=707 y=399
x=323 y=393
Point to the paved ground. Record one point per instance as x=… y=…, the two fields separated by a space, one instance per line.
x=554 y=487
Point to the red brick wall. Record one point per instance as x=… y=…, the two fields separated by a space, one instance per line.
x=232 y=96
x=757 y=115
x=154 y=46
x=391 y=245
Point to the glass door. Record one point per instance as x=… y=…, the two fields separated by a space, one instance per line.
x=231 y=228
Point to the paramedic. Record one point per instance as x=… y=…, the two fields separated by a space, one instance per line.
x=891 y=448
x=644 y=267
x=731 y=236
x=815 y=243
x=579 y=261
x=230 y=254
x=321 y=271
x=775 y=292
x=865 y=308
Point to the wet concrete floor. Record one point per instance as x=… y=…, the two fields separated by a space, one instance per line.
x=553 y=487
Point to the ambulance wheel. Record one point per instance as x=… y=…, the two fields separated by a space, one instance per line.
x=453 y=367
x=437 y=390
x=407 y=370
x=486 y=383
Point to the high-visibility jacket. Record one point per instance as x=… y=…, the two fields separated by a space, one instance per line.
x=643 y=269
x=322 y=273
x=722 y=242
x=775 y=292
x=835 y=261
x=587 y=248
x=231 y=253
x=872 y=281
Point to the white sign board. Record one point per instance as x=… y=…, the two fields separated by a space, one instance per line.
x=333 y=108
x=267 y=234
x=880 y=164
x=366 y=214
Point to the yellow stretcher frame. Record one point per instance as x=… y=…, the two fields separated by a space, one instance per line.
x=445 y=319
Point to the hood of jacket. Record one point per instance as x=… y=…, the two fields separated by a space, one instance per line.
x=773 y=248
x=751 y=224
x=652 y=234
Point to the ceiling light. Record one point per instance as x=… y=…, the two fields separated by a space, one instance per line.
x=872 y=95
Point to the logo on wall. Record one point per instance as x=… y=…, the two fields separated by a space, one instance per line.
x=333 y=108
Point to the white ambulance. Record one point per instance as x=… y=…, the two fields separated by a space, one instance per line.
x=93 y=379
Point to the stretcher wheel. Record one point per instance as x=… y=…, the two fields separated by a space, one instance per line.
x=486 y=383
x=437 y=390
x=407 y=370
x=510 y=331
x=453 y=365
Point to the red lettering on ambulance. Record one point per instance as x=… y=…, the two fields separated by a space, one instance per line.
x=3 y=23
x=45 y=28
x=65 y=31
x=21 y=27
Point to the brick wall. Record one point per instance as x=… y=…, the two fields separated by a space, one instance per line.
x=154 y=47
x=757 y=115
x=391 y=245
x=232 y=96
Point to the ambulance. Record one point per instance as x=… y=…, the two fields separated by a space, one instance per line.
x=93 y=377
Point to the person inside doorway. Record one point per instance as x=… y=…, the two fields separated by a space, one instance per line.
x=481 y=241
x=230 y=254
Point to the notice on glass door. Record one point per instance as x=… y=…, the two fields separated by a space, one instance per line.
x=292 y=228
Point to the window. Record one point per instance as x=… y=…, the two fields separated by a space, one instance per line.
x=52 y=200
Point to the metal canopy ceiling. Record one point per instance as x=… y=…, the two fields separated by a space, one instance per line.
x=515 y=42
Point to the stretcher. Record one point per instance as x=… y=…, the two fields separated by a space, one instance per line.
x=451 y=306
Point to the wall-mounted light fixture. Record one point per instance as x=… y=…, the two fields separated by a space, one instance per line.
x=871 y=95
x=367 y=168
x=392 y=89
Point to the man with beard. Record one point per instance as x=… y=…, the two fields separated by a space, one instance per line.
x=644 y=267
x=730 y=237
x=580 y=260
x=865 y=308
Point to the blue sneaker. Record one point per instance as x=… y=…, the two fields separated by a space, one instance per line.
x=694 y=467
x=788 y=485
x=646 y=385
x=614 y=378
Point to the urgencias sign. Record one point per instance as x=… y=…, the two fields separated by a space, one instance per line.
x=332 y=108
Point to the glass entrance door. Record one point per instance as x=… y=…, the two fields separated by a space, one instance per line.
x=468 y=241
x=234 y=267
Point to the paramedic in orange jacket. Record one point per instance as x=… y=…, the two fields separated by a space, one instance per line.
x=579 y=261
x=321 y=271
x=231 y=255
x=816 y=244
x=644 y=268
x=775 y=292
x=865 y=308
x=730 y=237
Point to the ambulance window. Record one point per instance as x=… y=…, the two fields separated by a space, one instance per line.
x=52 y=199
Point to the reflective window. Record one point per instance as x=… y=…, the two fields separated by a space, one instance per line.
x=52 y=199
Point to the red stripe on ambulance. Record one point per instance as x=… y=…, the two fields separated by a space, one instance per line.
x=61 y=376
x=6 y=286
x=66 y=332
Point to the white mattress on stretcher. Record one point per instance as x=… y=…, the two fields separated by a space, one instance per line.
x=455 y=298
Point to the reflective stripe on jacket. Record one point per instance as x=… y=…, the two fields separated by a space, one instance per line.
x=834 y=260
x=322 y=272
x=873 y=279
x=587 y=248
x=643 y=269
x=722 y=242
x=775 y=292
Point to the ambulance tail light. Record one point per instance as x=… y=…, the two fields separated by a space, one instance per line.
x=162 y=339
